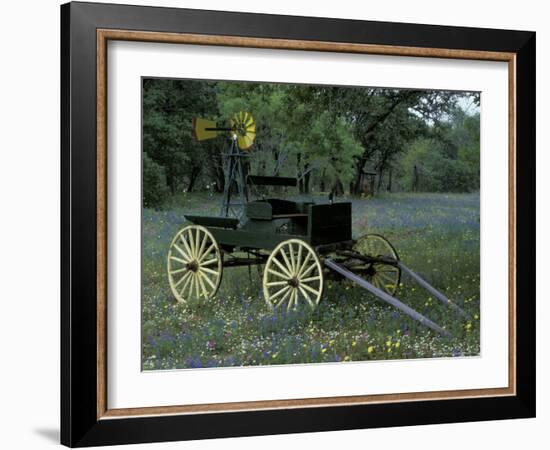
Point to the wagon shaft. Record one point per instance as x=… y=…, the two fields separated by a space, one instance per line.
x=386 y=297
x=433 y=290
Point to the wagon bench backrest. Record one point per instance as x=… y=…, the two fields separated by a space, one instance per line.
x=329 y=223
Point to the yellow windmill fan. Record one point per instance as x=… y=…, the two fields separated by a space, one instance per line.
x=242 y=125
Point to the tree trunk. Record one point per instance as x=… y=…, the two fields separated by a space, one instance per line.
x=338 y=188
x=415 y=179
x=299 y=173
x=171 y=181
x=195 y=171
x=389 y=181
x=380 y=177
x=358 y=175
x=306 y=178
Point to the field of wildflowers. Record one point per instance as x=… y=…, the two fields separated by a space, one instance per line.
x=437 y=235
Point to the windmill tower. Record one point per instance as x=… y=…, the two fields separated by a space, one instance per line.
x=242 y=131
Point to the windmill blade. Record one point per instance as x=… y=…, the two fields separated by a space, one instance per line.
x=204 y=129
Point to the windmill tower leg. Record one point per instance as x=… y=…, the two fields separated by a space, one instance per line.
x=233 y=206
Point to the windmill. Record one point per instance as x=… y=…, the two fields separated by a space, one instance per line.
x=242 y=131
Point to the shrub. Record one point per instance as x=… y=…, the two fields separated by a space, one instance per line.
x=155 y=190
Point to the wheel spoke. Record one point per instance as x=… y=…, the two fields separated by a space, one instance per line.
x=174 y=272
x=185 y=255
x=197 y=240
x=287 y=262
x=277 y=274
x=175 y=258
x=307 y=280
x=298 y=260
x=376 y=282
x=276 y=261
x=186 y=283
x=276 y=283
x=200 y=276
x=309 y=269
x=280 y=292
x=201 y=249
x=283 y=299
x=207 y=252
x=182 y=278
x=192 y=243
x=210 y=282
x=306 y=296
x=210 y=271
x=310 y=289
x=186 y=245
x=292 y=261
x=292 y=299
x=306 y=260
x=385 y=277
x=196 y=275
x=209 y=262
x=192 y=285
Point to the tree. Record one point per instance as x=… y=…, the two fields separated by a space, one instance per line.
x=168 y=110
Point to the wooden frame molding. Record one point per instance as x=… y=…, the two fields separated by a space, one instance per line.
x=103 y=36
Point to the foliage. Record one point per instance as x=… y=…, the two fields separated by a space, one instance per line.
x=325 y=136
x=155 y=180
x=448 y=161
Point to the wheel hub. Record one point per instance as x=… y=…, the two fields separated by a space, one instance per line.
x=193 y=266
x=294 y=282
x=371 y=271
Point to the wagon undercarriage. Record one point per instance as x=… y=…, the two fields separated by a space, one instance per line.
x=294 y=272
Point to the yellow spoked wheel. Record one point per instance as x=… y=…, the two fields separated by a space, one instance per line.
x=194 y=264
x=385 y=276
x=293 y=276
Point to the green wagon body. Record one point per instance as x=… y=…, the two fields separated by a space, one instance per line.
x=272 y=221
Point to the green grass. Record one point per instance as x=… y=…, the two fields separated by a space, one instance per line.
x=437 y=235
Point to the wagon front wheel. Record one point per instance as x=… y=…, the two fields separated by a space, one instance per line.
x=194 y=264
x=293 y=275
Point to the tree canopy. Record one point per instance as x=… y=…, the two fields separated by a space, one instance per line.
x=326 y=136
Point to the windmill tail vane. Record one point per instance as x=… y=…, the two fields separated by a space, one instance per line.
x=241 y=125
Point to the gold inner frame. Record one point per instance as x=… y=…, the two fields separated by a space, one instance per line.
x=104 y=35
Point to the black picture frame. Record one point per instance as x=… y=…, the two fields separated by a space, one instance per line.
x=80 y=425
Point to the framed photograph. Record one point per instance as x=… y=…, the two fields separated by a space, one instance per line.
x=277 y=224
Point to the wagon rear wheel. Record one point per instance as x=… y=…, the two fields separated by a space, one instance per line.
x=293 y=276
x=194 y=264
x=383 y=275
